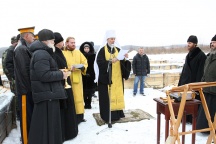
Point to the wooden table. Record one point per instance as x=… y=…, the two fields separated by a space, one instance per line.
x=191 y=107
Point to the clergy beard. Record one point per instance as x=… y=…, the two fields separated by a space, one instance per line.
x=213 y=50
x=70 y=48
x=111 y=45
x=50 y=45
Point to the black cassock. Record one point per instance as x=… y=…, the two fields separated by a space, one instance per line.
x=45 y=121
x=47 y=91
x=68 y=112
x=103 y=81
x=192 y=70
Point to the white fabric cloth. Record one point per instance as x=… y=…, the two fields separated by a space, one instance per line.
x=109 y=34
x=18 y=44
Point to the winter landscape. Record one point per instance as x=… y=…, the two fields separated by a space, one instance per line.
x=147 y=23
x=139 y=132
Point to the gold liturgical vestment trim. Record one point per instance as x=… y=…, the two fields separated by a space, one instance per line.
x=117 y=95
x=72 y=58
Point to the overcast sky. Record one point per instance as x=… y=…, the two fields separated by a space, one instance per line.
x=137 y=22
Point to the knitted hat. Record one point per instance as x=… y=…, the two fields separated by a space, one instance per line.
x=13 y=39
x=86 y=45
x=58 y=38
x=192 y=39
x=45 y=35
x=214 y=38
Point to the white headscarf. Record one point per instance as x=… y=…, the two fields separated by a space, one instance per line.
x=109 y=34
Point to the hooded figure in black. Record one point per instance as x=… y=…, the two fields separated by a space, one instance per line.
x=68 y=112
x=47 y=91
x=88 y=80
x=193 y=67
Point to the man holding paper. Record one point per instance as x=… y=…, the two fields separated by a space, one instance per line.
x=78 y=64
x=107 y=62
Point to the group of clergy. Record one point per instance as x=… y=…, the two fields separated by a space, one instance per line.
x=55 y=83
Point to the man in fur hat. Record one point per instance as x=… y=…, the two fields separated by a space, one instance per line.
x=194 y=65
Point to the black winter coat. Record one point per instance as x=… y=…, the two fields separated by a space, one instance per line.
x=141 y=65
x=193 y=67
x=9 y=64
x=61 y=62
x=47 y=89
x=88 y=79
x=209 y=92
x=210 y=74
x=45 y=75
x=22 y=57
x=68 y=112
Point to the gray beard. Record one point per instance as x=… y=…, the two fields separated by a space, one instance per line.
x=52 y=47
x=213 y=51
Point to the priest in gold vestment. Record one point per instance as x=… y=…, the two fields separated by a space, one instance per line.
x=78 y=64
x=107 y=57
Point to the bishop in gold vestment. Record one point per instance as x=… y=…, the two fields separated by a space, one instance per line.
x=110 y=88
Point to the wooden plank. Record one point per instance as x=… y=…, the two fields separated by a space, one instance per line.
x=8 y=116
x=8 y=128
x=2 y=136
x=2 y=117
x=5 y=121
x=2 y=130
x=171 y=79
x=156 y=80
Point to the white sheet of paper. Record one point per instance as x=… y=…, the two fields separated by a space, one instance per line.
x=121 y=54
x=78 y=65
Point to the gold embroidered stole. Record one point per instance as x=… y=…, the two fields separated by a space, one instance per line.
x=117 y=95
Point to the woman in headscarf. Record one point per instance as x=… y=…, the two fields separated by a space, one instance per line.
x=88 y=80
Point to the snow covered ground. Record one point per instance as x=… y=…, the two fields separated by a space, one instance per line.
x=142 y=132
